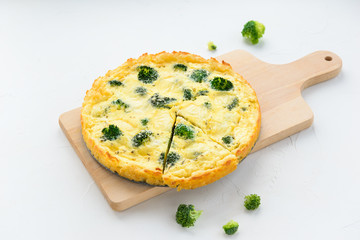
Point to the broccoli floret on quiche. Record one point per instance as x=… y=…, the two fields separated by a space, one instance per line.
x=147 y=74
x=233 y=104
x=221 y=84
x=171 y=159
x=111 y=133
x=183 y=131
x=199 y=75
x=161 y=102
x=120 y=104
x=188 y=94
x=161 y=158
x=228 y=140
x=115 y=83
x=140 y=138
x=141 y=91
x=180 y=67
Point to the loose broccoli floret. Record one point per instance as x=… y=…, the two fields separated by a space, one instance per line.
x=221 y=84
x=233 y=104
x=231 y=227
x=120 y=104
x=115 y=83
x=186 y=215
x=252 y=202
x=144 y=121
x=147 y=74
x=140 y=138
x=228 y=139
x=180 y=67
x=160 y=102
x=207 y=105
x=141 y=91
x=183 y=131
x=111 y=133
x=253 y=30
x=171 y=159
x=188 y=94
x=199 y=75
x=211 y=46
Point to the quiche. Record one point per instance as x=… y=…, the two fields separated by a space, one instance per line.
x=171 y=119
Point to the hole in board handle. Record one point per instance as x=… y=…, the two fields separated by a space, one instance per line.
x=328 y=58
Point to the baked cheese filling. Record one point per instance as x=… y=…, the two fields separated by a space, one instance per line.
x=171 y=119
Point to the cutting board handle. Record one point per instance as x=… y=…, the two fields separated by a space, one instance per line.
x=314 y=68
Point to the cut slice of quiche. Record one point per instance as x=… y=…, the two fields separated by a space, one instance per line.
x=129 y=119
x=193 y=159
x=229 y=118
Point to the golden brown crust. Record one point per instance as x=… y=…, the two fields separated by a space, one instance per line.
x=226 y=166
x=136 y=172
x=241 y=153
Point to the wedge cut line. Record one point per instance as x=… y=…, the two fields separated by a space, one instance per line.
x=169 y=145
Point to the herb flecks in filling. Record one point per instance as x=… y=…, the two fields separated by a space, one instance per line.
x=207 y=105
x=115 y=83
x=183 y=131
x=161 y=102
x=171 y=159
x=197 y=154
x=141 y=91
x=228 y=140
x=233 y=104
x=180 y=67
x=111 y=133
x=141 y=138
x=221 y=84
x=203 y=92
x=144 y=121
x=199 y=75
x=189 y=95
x=147 y=74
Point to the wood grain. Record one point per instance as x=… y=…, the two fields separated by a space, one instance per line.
x=284 y=112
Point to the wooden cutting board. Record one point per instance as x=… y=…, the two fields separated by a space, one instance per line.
x=284 y=112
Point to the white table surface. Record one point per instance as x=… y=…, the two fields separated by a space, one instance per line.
x=51 y=52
